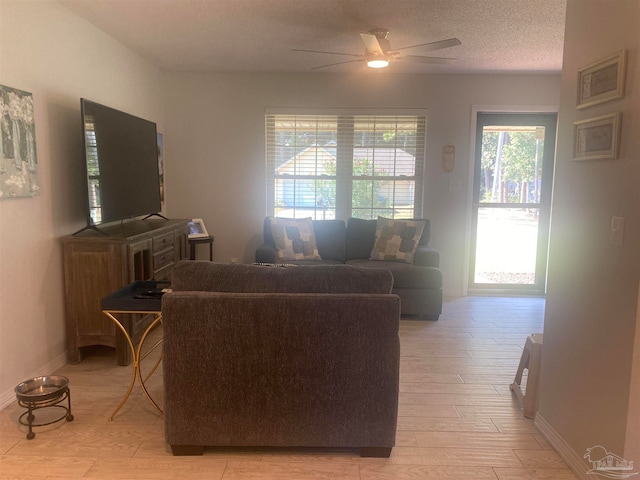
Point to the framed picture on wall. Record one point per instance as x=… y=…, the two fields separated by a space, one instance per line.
x=197 y=228
x=597 y=138
x=602 y=81
x=18 y=159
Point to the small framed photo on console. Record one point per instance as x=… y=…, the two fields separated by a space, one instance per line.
x=197 y=228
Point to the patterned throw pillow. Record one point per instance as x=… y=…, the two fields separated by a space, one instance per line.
x=396 y=240
x=294 y=239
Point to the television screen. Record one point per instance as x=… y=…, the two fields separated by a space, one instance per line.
x=121 y=158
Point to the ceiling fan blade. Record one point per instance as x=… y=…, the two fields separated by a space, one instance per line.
x=430 y=46
x=327 y=53
x=432 y=60
x=333 y=64
x=372 y=44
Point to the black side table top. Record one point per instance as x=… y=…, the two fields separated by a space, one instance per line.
x=140 y=296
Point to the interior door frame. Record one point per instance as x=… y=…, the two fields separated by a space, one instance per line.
x=475 y=109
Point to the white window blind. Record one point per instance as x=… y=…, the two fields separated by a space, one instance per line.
x=341 y=166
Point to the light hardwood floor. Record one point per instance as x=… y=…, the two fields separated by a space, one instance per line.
x=457 y=417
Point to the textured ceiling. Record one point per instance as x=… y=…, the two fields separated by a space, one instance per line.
x=498 y=36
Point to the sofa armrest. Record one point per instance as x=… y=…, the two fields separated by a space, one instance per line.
x=266 y=253
x=426 y=257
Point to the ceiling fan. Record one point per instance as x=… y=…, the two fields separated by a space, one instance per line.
x=378 y=52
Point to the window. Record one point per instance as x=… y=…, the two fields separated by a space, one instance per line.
x=341 y=166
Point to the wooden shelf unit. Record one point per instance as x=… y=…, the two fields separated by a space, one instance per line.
x=96 y=265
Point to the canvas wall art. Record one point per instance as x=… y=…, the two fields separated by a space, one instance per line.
x=18 y=160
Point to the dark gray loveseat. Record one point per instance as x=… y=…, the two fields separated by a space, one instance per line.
x=419 y=285
x=280 y=357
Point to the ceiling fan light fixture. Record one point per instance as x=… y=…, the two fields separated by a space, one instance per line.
x=378 y=53
x=377 y=62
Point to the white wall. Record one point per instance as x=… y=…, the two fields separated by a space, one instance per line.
x=592 y=302
x=59 y=58
x=215 y=153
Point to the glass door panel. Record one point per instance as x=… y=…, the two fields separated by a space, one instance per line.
x=511 y=202
x=506 y=246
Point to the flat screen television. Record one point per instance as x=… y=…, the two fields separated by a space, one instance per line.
x=121 y=160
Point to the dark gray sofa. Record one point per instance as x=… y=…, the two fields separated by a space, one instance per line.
x=419 y=285
x=280 y=357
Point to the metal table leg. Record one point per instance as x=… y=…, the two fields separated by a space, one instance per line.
x=136 y=358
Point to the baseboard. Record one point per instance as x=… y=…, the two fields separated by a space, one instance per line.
x=453 y=293
x=574 y=460
x=7 y=398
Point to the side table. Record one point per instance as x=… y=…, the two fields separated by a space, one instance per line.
x=198 y=240
x=138 y=297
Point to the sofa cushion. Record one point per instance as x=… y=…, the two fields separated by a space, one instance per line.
x=426 y=233
x=294 y=239
x=306 y=262
x=404 y=274
x=331 y=239
x=396 y=240
x=220 y=277
x=361 y=236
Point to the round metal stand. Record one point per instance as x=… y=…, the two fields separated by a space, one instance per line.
x=43 y=392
